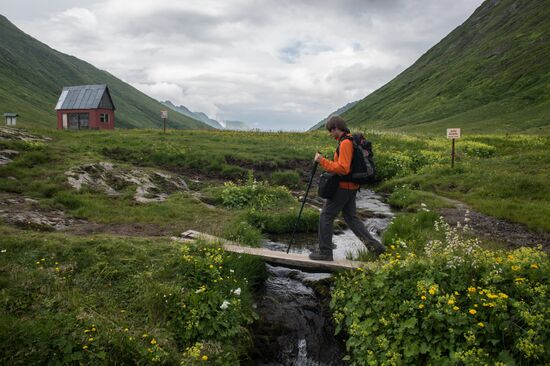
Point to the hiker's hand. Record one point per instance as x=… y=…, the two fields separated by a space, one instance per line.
x=318 y=157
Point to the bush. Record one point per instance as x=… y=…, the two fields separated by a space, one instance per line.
x=252 y=194
x=283 y=222
x=392 y=164
x=244 y=233
x=476 y=149
x=458 y=304
x=288 y=178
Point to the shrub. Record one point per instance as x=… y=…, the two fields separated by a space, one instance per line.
x=288 y=178
x=392 y=164
x=244 y=233
x=458 y=304
x=283 y=222
x=252 y=194
x=476 y=149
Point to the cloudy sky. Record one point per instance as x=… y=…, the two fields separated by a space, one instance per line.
x=274 y=64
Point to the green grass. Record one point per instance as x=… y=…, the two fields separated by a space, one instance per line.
x=112 y=300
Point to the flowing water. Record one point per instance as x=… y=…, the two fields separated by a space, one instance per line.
x=295 y=326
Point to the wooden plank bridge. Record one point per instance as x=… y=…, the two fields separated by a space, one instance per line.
x=295 y=260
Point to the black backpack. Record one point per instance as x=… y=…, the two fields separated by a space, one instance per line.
x=362 y=163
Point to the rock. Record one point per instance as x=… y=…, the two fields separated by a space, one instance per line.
x=114 y=180
x=9 y=133
x=6 y=156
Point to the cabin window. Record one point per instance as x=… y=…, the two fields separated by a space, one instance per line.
x=104 y=117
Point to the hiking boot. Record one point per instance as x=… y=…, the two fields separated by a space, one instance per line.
x=321 y=256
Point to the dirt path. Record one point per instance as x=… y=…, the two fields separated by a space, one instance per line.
x=512 y=235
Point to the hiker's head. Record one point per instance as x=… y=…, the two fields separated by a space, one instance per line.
x=336 y=125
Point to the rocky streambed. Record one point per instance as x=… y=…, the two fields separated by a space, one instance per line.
x=295 y=326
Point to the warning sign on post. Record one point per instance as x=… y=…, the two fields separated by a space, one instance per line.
x=453 y=133
x=164 y=114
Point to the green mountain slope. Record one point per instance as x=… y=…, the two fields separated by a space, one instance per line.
x=33 y=74
x=491 y=74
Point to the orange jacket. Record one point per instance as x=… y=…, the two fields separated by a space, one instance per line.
x=341 y=164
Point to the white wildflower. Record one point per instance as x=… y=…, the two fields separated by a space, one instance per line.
x=4 y=250
x=224 y=305
x=237 y=291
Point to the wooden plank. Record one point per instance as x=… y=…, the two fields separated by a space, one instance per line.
x=291 y=259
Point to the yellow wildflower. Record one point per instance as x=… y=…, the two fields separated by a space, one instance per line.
x=421 y=306
x=515 y=268
x=125 y=329
x=534 y=266
x=211 y=266
x=471 y=289
x=456 y=293
x=423 y=297
x=456 y=308
x=204 y=358
x=144 y=335
x=90 y=339
x=84 y=347
x=502 y=295
x=431 y=291
x=93 y=329
x=519 y=279
x=153 y=341
x=472 y=311
x=481 y=325
x=451 y=302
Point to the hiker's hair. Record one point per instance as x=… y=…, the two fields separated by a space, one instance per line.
x=337 y=122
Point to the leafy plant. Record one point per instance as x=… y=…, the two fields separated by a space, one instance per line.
x=457 y=304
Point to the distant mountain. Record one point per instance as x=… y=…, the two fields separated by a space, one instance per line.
x=491 y=74
x=199 y=116
x=236 y=126
x=32 y=76
x=335 y=113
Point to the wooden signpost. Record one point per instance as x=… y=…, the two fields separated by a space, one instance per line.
x=453 y=133
x=164 y=116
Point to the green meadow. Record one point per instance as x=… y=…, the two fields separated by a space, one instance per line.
x=144 y=299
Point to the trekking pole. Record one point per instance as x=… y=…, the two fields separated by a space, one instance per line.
x=303 y=204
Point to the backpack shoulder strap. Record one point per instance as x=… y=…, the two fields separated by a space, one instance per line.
x=344 y=137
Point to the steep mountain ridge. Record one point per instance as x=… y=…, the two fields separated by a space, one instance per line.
x=490 y=74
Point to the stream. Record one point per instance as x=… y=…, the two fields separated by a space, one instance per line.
x=295 y=326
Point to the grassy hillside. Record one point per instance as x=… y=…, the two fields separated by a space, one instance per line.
x=32 y=76
x=491 y=74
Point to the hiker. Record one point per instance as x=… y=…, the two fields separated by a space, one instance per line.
x=344 y=198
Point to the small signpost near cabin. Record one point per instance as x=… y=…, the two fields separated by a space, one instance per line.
x=453 y=133
x=164 y=115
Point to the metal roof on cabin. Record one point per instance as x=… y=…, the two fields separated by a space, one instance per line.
x=81 y=97
x=11 y=115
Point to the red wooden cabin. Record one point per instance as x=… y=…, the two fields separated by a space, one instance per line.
x=85 y=107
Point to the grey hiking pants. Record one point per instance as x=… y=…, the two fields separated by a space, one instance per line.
x=344 y=200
